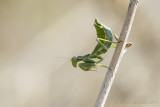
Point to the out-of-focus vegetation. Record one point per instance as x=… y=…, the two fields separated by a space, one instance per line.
x=38 y=38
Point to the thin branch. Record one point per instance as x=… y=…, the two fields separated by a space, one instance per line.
x=118 y=54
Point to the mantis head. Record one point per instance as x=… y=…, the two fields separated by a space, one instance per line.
x=87 y=64
x=74 y=61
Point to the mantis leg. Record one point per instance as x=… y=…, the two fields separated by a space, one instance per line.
x=87 y=66
x=100 y=59
x=100 y=65
x=98 y=62
x=102 y=44
x=113 y=46
x=98 y=39
x=116 y=37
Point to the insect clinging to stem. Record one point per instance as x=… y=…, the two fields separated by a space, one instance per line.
x=105 y=39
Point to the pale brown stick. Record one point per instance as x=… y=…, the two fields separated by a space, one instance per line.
x=117 y=56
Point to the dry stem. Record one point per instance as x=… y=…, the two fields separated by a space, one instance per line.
x=117 y=56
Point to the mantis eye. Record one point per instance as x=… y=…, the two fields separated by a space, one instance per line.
x=74 y=61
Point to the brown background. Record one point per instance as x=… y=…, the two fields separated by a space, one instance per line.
x=38 y=38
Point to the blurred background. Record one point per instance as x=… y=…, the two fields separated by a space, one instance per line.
x=38 y=38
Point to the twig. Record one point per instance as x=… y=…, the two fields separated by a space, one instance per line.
x=118 y=54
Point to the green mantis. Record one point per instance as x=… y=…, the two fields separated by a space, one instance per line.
x=105 y=40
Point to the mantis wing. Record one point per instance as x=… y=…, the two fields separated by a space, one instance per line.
x=103 y=32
